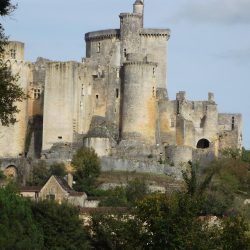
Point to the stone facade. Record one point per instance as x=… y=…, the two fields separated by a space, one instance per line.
x=115 y=101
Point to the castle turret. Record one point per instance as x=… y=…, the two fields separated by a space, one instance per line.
x=139 y=7
x=131 y=25
x=139 y=100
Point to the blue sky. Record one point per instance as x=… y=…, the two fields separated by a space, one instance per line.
x=209 y=48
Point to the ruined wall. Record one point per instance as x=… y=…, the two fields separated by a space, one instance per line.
x=167 y=121
x=200 y=120
x=60 y=103
x=230 y=128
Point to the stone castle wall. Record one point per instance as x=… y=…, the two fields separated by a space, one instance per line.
x=115 y=101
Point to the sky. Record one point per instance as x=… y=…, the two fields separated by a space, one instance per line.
x=209 y=47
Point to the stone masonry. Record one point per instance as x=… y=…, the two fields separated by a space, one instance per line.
x=115 y=101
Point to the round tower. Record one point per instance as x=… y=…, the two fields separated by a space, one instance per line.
x=139 y=99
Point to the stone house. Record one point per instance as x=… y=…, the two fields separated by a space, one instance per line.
x=58 y=189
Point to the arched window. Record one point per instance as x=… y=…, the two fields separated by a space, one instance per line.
x=11 y=172
x=203 y=143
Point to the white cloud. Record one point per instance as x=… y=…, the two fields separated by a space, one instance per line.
x=215 y=11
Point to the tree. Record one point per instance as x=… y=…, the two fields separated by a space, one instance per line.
x=10 y=91
x=87 y=168
x=39 y=174
x=61 y=226
x=57 y=169
x=18 y=228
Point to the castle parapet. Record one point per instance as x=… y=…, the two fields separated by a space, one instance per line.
x=156 y=32
x=102 y=34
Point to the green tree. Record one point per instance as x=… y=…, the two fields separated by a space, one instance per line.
x=235 y=234
x=57 y=169
x=116 y=231
x=39 y=174
x=87 y=168
x=18 y=228
x=61 y=226
x=10 y=91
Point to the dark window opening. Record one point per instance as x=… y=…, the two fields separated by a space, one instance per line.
x=96 y=96
x=233 y=123
x=98 y=47
x=60 y=137
x=203 y=120
x=178 y=107
x=193 y=106
x=117 y=93
x=37 y=93
x=153 y=92
x=153 y=71
x=13 y=53
x=203 y=143
x=125 y=52
x=51 y=197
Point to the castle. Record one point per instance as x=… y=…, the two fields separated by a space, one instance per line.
x=115 y=101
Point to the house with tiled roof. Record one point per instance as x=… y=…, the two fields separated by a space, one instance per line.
x=60 y=190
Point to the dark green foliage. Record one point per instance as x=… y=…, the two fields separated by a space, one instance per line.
x=235 y=234
x=10 y=93
x=61 y=226
x=57 y=169
x=87 y=169
x=127 y=196
x=18 y=228
x=6 y=7
x=40 y=174
x=2 y=176
x=116 y=231
x=136 y=190
x=115 y=197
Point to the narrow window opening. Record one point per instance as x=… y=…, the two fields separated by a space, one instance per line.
x=153 y=71
x=13 y=53
x=233 y=123
x=117 y=93
x=153 y=92
x=172 y=122
x=203 y=120
x=37 y=93
x=125 y=52
x=96 y=96
x=117 y=73
x=99 y=47
x=59 y=137
x=82 y=90
x=178 y=107
x=193 y=106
